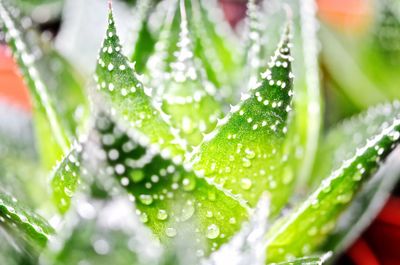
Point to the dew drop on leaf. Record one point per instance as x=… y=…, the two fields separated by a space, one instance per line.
x=144 y=218
x=170 y=232
x=212 y=231
x=189 y=184
x=344 y=198
x=162 y=215
x=146 y=199
x=187 y=212
x=245 y=183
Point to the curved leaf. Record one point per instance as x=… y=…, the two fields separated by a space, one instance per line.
x=312 y=260
x=65 y=179
x=246 y=152
x=23 y=222
x=307 y=226
x=119 y=84
x=168 y=195
x=45 y=114
x=189 y=97
x=216 y=45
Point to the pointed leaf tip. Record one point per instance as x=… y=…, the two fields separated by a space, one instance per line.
x=129 y=99
x=247 y=153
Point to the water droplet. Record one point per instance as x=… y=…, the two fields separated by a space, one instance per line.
x=137 y=175
x=312 y=231
x=250 y=154
x=344 y=198
x=357 y=176
x=170 y=232
x=162 y=215
x=245 y=183
x=189 y=184
x=144 y=218
x=124 y=181
x=187 y=212
x=246 y=162
x=146 y=199
x=287 y=176
x=68 y=192
x=212 y=231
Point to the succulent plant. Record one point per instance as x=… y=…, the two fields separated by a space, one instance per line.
x=204 y=151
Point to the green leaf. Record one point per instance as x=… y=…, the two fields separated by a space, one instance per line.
x=66 y=89
x=168 y=195
x=22 y=222
x=216 y=45
x=355 y=131
x=189 y=97
x=92 y=235
x=144 y=42
x=47 y=120
x=367 y=205
x=305 y=128
x=366 y=63
x=253 y=59
x=307 y=226
x=65 y=179
x=119 y=84
x=246 y=152
x=334 y=150
x=248 y=245
x=313 y=260
x=160 y=61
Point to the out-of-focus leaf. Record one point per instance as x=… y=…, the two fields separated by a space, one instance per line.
x=119 y=84
x=102 y=232
x=366 y=206
x=339 y=145
x=66 y=88
x=144 y=41
x=312 y=260
x=253 y=59
x=216 y=45
x=11 y=253
x=341 y=141
x=366 y=64
x=169 y=195
x=48 y=123
x=307 y=116
x=340 y=63
x=307 y=226
x=22 y=222
x=159 y=62
x=41 y=11
x=189 y=97
x=246 y=152
x=248 y=245
x=65 y=179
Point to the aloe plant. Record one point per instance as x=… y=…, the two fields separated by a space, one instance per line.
x=171 y=165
